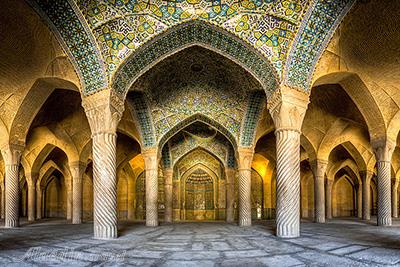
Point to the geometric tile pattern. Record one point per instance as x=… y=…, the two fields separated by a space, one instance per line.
x=141 y=111
x=188 y=34
x=166 y=157
x=254 y=109
x=188 y=142
x=77 y=40
x=101 y=35
x=121 y=27
x=317 y=28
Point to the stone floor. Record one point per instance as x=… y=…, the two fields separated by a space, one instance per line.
x=338 y=243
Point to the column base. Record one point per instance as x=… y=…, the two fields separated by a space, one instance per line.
x=366 y=218
x=168 y=219
x=384 y=222
x=11 y=224
x=76 y=221
x=102 y=232
x=244 y=222
x=286 y=232
x=31 y=219
x=319 y=220
x=152 y=223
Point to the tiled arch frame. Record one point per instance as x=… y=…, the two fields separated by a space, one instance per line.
x=195 y=118
x=68 y=25
x=221 y=160
x=317 y=28
x=195 y=33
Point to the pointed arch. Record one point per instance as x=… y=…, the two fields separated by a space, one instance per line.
x=185 y=153
x=195 y=33
x=362 y=98
x=73 y=33
x=31 y=105
x=197 y=118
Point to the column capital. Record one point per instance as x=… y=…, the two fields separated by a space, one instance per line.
x=12 y=154
x=31 y=178
x=287 y=107
x=104 y=111
x=77 y=168
x=318 y=167
x=383 y=149
x=245 y=157
x=150 y=157
x=366 y=175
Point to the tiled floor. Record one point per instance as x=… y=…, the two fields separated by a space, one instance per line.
x=338 y=243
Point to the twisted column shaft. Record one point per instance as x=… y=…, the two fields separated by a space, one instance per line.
x=245 y=161
x=11 y=156
x=230 y=194
x=105 y=185
x=39 y=200
x=3 y=202
x=150 y=157
x=31 y=202
x=168 y=173
x=77 y=169
x=12 y=196
x=359 y=201
x=366 y=185
x=328 y=199
x=319 y=168
x=131 y=199
x=395 y=200
x=384 y=194
x=288 y=183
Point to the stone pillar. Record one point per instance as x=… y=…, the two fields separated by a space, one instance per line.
x=131 y=199
x=12 y=156
x=366 y=177
x=168 y=174
x=39 y=201
x=395 y=200
x=150 y=157
x=359 y=201
x=383 y=154
x=104 y=111
x=31 y=179
x=288 y=107
x=328 y=198
x=3 y=202
x=319 y=168
x=77 y=169
x=245 y=160
x=68 y=182
x=230 y=194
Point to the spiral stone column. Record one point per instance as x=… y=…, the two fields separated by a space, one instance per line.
x=328 y=198
x=288 y=107
x=319 y=168
x=359 y=201
x=230 y=194
x=395 y=200
x=245 y=160
x=131 y=199
x=3 y=202
x=31 y=179
x=150 y=157
x=383 y=154
x=39 y=200
x=77 y=169
x=366 y=177
x=11 y=156
x=104 y=111
x=168 y=173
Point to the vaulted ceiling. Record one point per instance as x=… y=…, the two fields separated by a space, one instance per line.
x=101 y=35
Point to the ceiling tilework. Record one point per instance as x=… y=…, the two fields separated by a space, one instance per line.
x=290 y=34
x=312 y=38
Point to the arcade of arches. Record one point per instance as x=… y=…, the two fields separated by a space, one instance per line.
x=187 y=113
